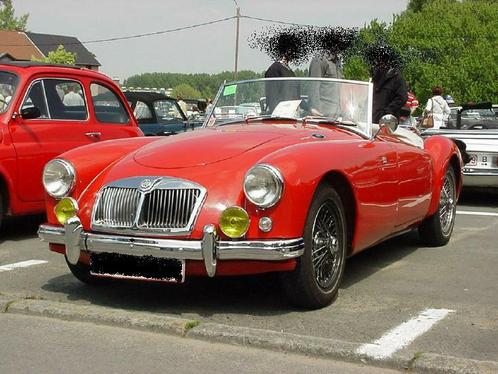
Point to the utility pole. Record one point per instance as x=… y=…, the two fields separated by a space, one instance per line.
x=236 y=44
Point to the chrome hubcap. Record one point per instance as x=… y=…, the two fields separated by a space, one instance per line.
x=447 y=205
x=325 y=246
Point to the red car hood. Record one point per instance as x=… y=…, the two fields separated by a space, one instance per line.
x=201 y=147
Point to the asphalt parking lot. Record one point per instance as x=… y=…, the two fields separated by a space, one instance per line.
x=449 y=294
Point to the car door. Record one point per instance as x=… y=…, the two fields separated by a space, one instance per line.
x=63 y=124
x=375 y=178
x=414 y=182
x=111 y=118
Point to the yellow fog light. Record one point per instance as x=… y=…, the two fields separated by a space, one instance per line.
x=65 y=209
x=234 y=222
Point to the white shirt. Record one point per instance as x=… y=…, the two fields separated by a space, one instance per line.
x=439 y=108
x=73 y=99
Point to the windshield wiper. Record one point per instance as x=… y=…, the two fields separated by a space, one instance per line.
x=269 y=118
x=328 y=120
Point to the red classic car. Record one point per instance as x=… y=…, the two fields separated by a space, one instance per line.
x=46 y=110
x=295 y=189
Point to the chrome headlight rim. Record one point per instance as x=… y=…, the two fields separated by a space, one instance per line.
x=71 y=173
x=277 y=175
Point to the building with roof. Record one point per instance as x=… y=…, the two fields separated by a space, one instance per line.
x=23 y=46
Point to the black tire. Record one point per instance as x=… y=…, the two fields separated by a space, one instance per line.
x=315 y=281
x=2 y=212
x=436 y=230
x=82 y=273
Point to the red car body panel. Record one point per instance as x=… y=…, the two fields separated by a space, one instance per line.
x=394 y=185
x=28 y=144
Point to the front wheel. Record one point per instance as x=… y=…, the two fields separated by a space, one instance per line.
x=436 y=230
x=82 y=273
x=315 y=281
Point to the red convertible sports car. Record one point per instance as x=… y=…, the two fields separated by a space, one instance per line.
x=295 y=189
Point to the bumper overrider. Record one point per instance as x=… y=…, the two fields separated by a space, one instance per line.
x=209 y=249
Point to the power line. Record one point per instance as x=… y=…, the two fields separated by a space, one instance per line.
x=276 y=21
x=130 y=36
x=95 y=41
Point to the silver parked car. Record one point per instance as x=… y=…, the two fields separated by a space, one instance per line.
x=482 y=149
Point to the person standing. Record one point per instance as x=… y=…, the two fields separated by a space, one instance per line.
x=277 y=91
x=438 y=107
x=406 y=118
x=324 y=97
x=390 y=89
x=72 y=98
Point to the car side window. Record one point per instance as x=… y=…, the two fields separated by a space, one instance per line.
x=36 y=98
x=59 y=99
x=66 y=99
x=142 y=111
x=108 y=107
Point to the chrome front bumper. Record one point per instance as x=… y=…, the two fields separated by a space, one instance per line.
x=209 y=249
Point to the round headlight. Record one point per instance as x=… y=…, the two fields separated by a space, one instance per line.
x=65 y=209
x=263 y=185
x=234 y=222
x=58 y=178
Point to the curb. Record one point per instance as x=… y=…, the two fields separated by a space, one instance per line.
x=244 y=336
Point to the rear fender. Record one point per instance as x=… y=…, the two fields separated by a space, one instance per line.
x=444 y=153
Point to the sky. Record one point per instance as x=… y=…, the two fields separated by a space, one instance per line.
x=207 y=49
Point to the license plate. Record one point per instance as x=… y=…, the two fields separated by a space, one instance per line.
x=480 y=160
x=137 y=267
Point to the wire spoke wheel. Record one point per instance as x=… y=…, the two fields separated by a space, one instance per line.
x=447 y=204
x=436 y=229
x=315 y=281
x=325 y=246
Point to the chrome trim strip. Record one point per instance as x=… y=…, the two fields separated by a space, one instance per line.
x=266 y=250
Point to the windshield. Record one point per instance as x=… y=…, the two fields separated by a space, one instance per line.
x=333 y=101
x=8 y=85
x=479 y=114
x=167 y=110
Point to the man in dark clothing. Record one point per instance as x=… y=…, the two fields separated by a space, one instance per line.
x=390 y=93
x=390 y=89
x=276 y=90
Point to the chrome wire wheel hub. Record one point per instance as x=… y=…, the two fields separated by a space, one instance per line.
x=325 y=247
x=447 y=204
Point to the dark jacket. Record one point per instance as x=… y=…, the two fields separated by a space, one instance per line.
x=390 y=94
x=276 y=91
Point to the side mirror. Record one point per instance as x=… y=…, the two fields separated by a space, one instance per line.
x=389 y=121
x=30 y=113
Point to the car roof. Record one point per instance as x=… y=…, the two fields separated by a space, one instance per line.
x=43 y=67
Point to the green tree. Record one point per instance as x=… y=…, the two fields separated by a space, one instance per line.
x=451 y=44
x=59 y=56
x=416 y=5
x=8 y=21
x=186 y=91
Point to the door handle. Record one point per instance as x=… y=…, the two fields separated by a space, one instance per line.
x=93 y=134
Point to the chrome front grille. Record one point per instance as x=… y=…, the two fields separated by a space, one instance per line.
x=160 y=205
x=168 y=208
x=117 y=207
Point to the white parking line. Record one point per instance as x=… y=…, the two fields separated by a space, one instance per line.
x=469 y=213
x=404 y=334
x=22 y=264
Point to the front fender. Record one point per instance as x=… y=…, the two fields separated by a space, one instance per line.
x=91 y=160
x=444 y=153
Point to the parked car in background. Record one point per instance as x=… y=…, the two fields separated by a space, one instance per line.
x=280 y=192
x=481 y=145
x=473 y=116
x=46 y=110
x=158 y=114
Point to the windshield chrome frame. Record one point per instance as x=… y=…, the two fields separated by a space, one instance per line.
x=369 y=84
